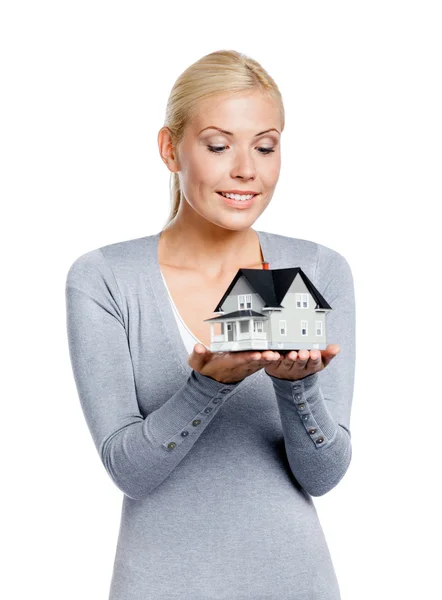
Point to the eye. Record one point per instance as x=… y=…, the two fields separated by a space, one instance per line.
x=219 y=149
x=215 y=149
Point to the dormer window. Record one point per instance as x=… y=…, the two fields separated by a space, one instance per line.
x=301 y=300
x=244 y=301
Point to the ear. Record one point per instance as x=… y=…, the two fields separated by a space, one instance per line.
x=168 y=151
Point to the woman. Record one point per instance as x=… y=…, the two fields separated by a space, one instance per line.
x=218 y=454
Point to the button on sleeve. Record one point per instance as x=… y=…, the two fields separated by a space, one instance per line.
x=204 y=416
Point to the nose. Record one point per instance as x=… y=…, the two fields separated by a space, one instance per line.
x=244 y=166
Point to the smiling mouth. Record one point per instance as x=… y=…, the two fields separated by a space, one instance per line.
x=221 y=194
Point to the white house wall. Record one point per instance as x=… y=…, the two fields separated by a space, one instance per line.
x=293 y=317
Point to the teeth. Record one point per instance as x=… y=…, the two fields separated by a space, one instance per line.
x=237 y=196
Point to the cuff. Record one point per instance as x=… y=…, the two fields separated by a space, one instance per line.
x=189 y=409
x=304 y=411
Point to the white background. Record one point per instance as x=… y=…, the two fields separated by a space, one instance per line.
x=84 y=90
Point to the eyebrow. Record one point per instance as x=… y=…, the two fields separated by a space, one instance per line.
x=230 y=133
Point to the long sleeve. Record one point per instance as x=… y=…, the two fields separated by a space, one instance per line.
x=138 y=453
x=315 y=411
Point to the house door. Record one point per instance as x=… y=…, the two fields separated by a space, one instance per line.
x=230 y=332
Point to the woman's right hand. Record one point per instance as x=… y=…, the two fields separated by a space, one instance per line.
x=229 y=367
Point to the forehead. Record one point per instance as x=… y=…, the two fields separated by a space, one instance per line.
x=242 y=114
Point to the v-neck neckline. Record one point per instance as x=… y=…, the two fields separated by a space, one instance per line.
x=165 y=308
x=177 y=312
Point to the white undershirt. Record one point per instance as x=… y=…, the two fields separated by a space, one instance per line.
x=187 y=336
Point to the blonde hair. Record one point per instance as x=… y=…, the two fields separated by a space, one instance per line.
x=214 y=74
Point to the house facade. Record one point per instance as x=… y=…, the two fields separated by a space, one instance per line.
x=277 y=309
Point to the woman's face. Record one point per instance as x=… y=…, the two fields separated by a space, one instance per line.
x=239 y=158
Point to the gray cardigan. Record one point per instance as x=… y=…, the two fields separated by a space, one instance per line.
x=217 y=478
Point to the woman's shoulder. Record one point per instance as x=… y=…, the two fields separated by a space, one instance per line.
x=320 y=261
x=289 y=242
x=302 y=248
x=116 y=260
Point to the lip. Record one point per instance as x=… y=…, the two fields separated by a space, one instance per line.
x=238 y=203
x=240 y=192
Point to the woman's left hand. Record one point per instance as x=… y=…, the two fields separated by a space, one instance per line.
x=297 y=365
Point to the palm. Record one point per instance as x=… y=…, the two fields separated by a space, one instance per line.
x=297 y=365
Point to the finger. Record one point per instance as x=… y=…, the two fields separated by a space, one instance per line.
x=290 y=361
x=270 y=355
x=247 y=356
x=198 y=356
x=303 y=357
x=329 y=353
x=315 y=358
x=287 y=364
x=284 y=366
x=333 y=349
x=291 y=356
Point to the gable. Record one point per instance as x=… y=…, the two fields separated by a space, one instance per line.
x=242 y=286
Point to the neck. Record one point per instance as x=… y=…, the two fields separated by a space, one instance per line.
x=210 y=250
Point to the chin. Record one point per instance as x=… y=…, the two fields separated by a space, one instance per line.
x=235 y=224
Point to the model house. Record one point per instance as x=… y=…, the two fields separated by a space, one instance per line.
x=269 y=309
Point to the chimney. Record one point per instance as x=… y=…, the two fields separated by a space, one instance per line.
x=265 y=265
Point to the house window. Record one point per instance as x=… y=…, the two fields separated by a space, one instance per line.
x=258 y=326
x=303 y=327
x=318 y=327
x=283 y=327
x=244 y=301
x=244 y=327
x=229 y=326
x=301 y=300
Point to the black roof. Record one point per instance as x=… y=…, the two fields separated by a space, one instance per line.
x=272 y=285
